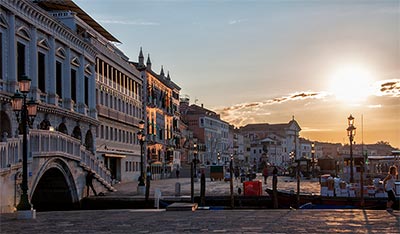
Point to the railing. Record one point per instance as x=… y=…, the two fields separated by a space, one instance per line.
x=49 y=143
x=9 y=153
x=44 y=143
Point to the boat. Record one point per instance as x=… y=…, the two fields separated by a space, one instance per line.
x=311 y=201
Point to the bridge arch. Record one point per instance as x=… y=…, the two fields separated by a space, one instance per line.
x=55 y=187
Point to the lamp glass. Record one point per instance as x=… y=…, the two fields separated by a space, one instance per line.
x=141 y=124
x=17 y=101
x=32 y=108
x=350 y=120
x=24 y=84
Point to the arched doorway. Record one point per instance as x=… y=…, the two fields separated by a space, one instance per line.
x=5 y=126
x=52 y=192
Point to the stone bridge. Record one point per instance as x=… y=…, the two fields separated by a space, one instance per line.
x=57 y=168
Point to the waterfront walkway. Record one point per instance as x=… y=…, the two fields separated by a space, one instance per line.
x=213 y=188
x=205 y=221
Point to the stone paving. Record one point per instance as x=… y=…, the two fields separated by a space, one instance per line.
x=205 y=221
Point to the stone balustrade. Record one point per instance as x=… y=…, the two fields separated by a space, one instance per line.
x=45 y=143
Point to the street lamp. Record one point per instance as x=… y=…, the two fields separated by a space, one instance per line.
x=291 y=156
x=351 y=132
x=142 y=138
x=27 y=111
x=313 y=158
x=195 y=160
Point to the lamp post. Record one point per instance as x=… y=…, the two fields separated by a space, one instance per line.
x=351 y=132
x=291 y=156
x=231 y=181
x=27 y=111
x=313 y=159
x=142 y=138
x=195 y=161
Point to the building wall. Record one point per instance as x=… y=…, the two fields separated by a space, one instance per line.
x=61 y=65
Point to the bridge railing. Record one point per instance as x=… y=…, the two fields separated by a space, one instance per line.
x=10 y=153
x=50 y=143
x=44 y=143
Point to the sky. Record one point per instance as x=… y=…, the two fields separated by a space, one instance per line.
x=267 y=61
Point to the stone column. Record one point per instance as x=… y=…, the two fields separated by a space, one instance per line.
x=80 y=85
x=33 y=64
x=92 y=93
x=12 y=57
x=51 y=86
x=67 y=102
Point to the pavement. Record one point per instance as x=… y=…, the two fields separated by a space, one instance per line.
x=205 y=220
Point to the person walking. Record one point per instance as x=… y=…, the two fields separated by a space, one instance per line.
x=89 y=183
x=389 y=185
x=265 y=174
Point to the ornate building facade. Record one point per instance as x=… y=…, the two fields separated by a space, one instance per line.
x=61 y=64
x=163 y=144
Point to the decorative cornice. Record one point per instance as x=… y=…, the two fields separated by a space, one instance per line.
x=51 y=109
x=41 y=19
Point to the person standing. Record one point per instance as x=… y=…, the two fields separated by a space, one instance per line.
x=275 y=187
x=177 y=172
x=89 y=182
x=389 y=185
x=265 y=174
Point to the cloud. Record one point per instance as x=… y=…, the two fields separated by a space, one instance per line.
x=138 y=22
x=389 y=88
x=308 y=129
x=231 y=22
x=375 y=106
x=244 y=113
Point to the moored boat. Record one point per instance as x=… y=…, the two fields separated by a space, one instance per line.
x=289 y=199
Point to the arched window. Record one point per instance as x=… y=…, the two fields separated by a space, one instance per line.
x=76 y=133
x=5 y=126
x=89 y=141
x=45 y=124
x=62 y=128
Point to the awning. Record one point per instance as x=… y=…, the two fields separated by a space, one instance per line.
x=114 y=155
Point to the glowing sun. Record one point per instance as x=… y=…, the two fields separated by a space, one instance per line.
x=351 y=84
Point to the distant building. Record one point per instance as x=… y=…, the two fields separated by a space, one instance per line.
x=211 y=132
x=273 y=142
x=162 y=119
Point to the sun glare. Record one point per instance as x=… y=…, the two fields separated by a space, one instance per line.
x=351 y=84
